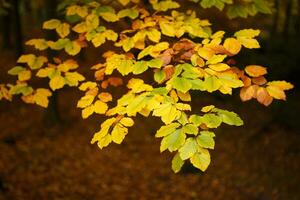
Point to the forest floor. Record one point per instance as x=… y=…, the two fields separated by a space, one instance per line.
x=259 y=161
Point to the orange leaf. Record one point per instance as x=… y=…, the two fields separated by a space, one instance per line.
x=105 y=97
x=255 y=70
x=247 y=93
x=233 y=46
x=263 y=96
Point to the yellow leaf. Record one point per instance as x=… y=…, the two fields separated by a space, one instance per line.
x=219 y=34
x=219 y=67
x=41 y=97
x=42 y=73
x=207 y=108
x=138 y=85
x=85 y=101
x=67 y=65
x=118 y=133
x=276 y=92
x=247 y=33
x=206 y=53
x=81 y=11
x=98 y=39
x=283 y=85
x=124 y=2
x=72 y=48
x=88 y=111
x=184 y=96
x=104 y=141
x=57 y=82
x=255 y=70
x=24 y=75
x=80 y=27
x=73 y=78
x=232 y=45
x=110 y=17
x=215 y=59
x=249 y=43
x=92 y=21
x=39 y=44
x=126 y=121
x=153 y=35
x=33 y=61
x=51 y=24
x=87 y=85
x=63 y=30
x=100 y=107
x=167 y=29
x=183 y=107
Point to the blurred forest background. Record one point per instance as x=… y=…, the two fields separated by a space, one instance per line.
x=47 y=154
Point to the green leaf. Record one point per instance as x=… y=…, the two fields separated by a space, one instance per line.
x=168 y=112
x=16 y=70
x=159 y=76
x=155 y=63
x=173 y=141
x=206 y=140
x=165 y=5
x=181 y=84
x=136 y=105
x=131 y=13
x=140 y=67
x=230 y=118
x=188 y=149
x=177 y=163
x=211 y=120
x=167 y=29
x=72 y=48
x=166 y=130
x=211 y=83
x=201 y=160
x=190 y=129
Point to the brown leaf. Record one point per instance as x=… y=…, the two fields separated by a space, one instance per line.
x=115 y=81
x=261 y=80
x=263 y=96
x=247 y=93
x=169 y=71
x=99 y=75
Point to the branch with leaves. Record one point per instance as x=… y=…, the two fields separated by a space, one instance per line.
x=181 y=52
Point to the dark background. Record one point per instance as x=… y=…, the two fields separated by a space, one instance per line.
x=47 y=155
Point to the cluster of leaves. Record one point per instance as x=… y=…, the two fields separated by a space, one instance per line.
x=240 y=8
x=178 y=49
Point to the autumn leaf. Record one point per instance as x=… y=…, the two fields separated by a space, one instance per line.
x=263 y=96
x=232 y=45
x=255 y=70
x=57 y=82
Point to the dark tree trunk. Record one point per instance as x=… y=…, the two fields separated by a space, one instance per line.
x=276 y=17
x=6 y=31
x=297 y=23
x=18 y=28
x=288 y=17
x=52 y=115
